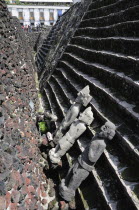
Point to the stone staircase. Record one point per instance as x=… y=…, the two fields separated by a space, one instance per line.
x=103 y=55
x=57 y=40
x=41 y=55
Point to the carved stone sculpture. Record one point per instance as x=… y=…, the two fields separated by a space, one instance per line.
x=41 y=116
x=77 y=128
x=82 y=100
x=49 y=136
x=85 y=163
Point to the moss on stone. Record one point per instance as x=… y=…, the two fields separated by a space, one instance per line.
x=39 y=95
x=42 y=127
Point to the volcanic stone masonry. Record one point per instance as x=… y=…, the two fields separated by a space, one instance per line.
x=103 y=53
x=23 y=184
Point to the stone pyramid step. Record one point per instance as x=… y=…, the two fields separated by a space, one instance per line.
x=127 y=64
x=130 y=14
x=126 y=85
x=109 y=8
x=103 y=53
x=123 y=45
x=134 y=144
x=122 y=159
x=130 y=28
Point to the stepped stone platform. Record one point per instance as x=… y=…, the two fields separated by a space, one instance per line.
x=54 y=44
x=36 y=38
x=103 y=53
x=23 y=184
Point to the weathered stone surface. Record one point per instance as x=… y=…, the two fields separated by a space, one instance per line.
x=36 y=38
x=82 y=100
x=57 y=40
x=21 y=174
x=85 y=163
x=103 y=53
x=76 y=129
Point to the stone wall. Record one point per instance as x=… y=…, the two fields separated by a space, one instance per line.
x=103 y=53
x=23 y=184
x=32 y=39
x=25 y=44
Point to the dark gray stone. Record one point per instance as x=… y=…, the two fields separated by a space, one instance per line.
x=85 y=163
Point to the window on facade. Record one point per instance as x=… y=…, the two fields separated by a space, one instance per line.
x=41 y=14
x=51 y=14
x=20 y=15
x=32 y=24
x=59 y=12
x=31 y=14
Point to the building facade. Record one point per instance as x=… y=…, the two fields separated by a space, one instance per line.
x=38 y=12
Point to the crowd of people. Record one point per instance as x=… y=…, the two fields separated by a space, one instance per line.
x=30 y=28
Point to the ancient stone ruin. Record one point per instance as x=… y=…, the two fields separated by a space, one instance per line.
x=98 y=49
x=23 y=184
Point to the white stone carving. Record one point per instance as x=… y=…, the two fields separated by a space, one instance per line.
x=49 y=136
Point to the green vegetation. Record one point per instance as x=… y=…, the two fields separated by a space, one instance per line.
x=39 y=95
x=7 y=2
x=17 y=2
x=42 y=127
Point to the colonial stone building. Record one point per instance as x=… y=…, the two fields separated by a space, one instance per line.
x=43 y=12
